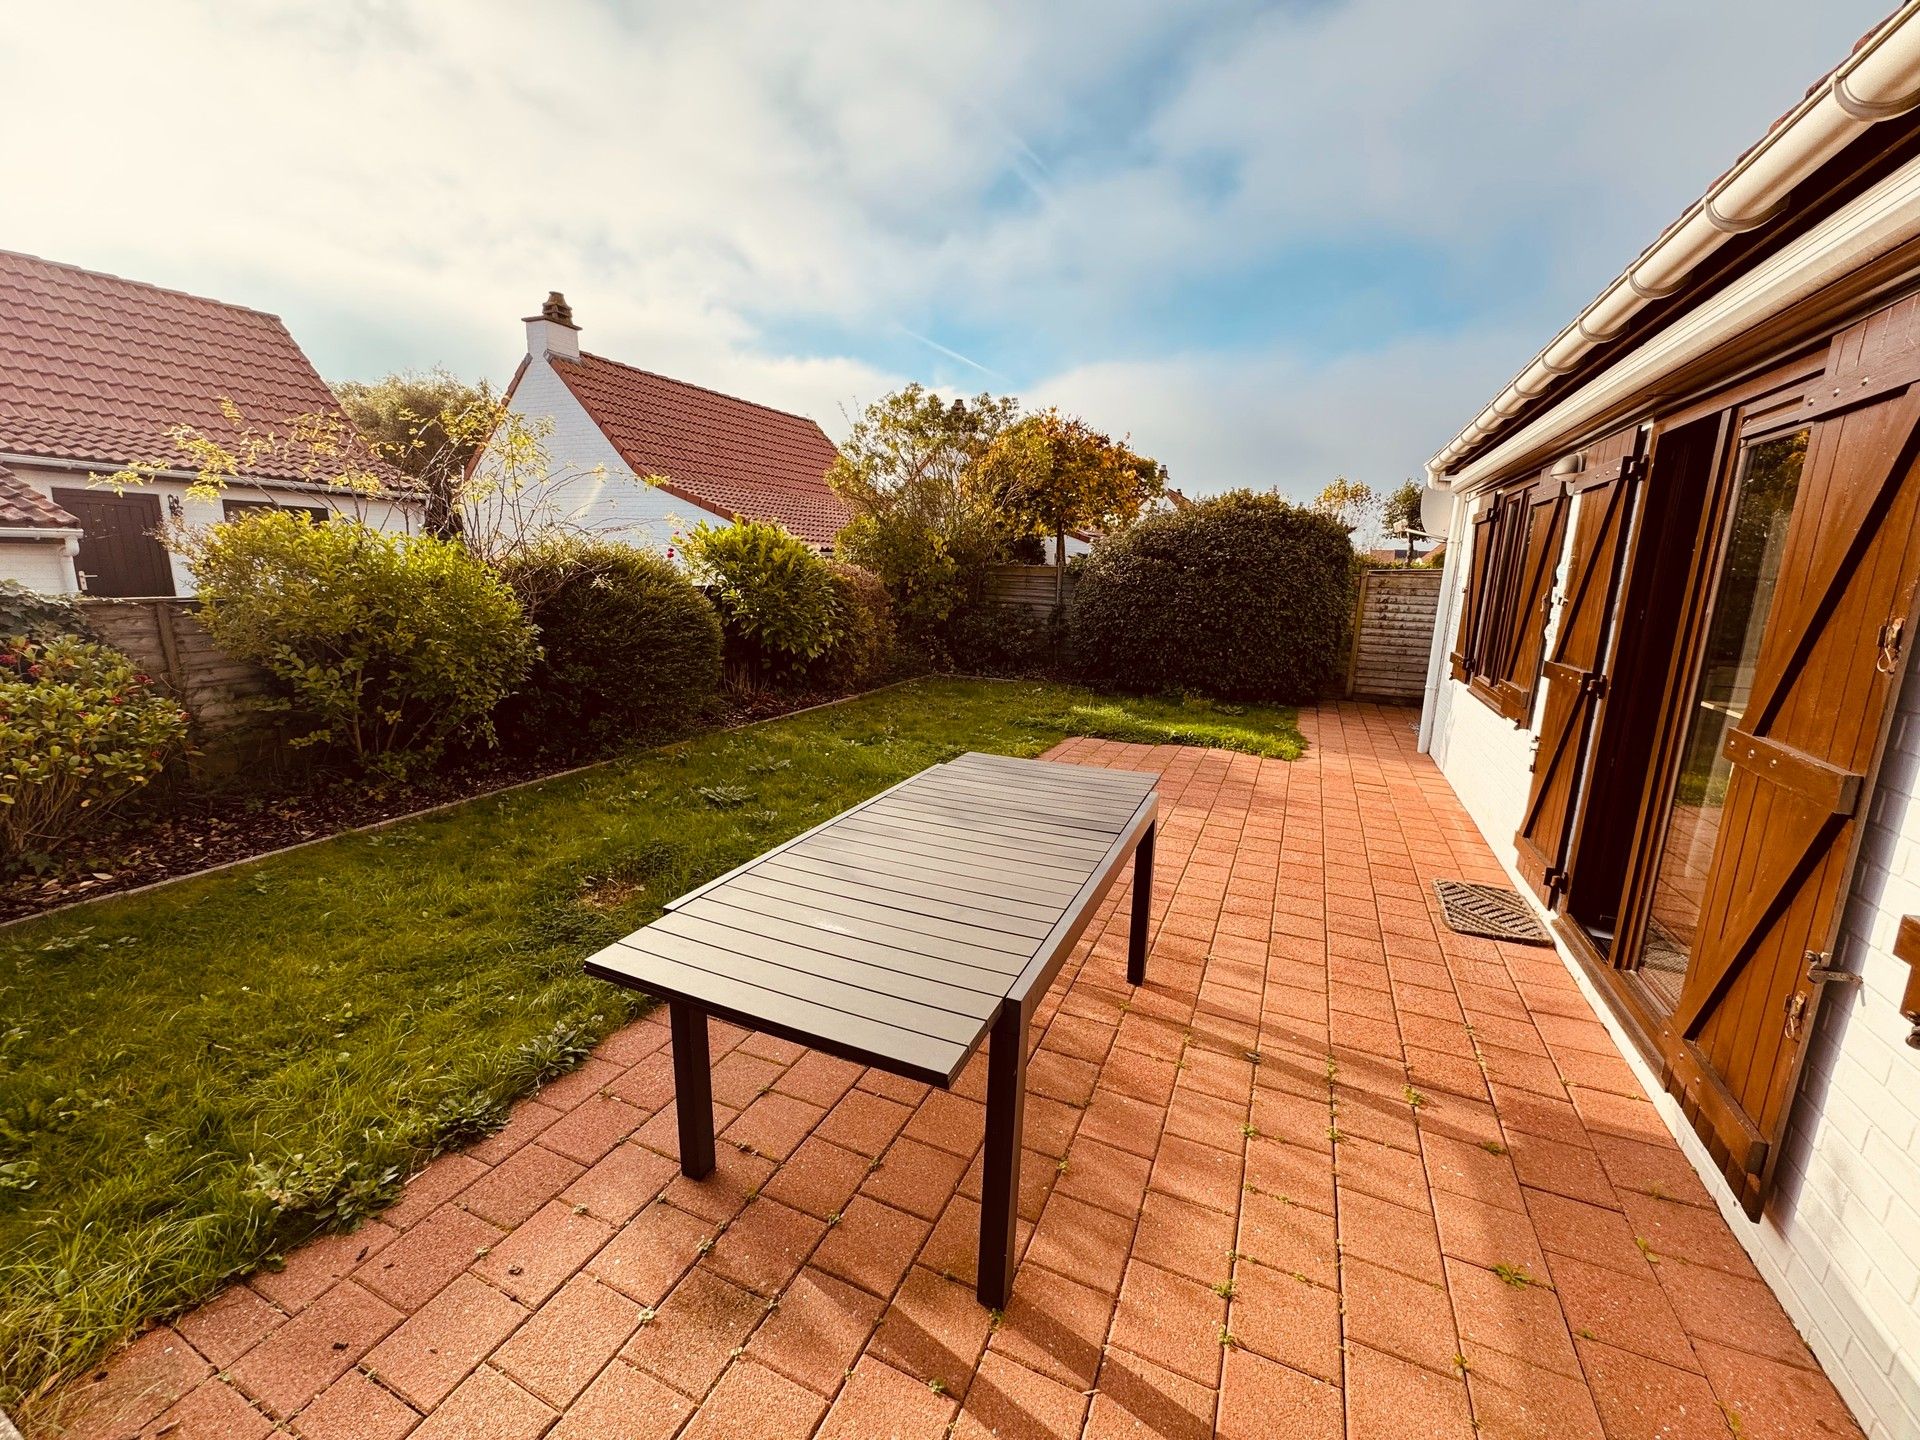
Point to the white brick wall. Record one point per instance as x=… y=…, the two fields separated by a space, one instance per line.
x=1840 y=1241
x=591 y=488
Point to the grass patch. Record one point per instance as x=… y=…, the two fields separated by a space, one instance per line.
x=195 y=1079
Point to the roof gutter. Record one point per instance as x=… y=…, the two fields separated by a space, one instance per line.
x=1879 y=81
x=40 y=532
x=194 y=477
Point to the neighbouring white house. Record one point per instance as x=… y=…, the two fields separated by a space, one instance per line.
x=94 y=372
x=608 y=429
x=1673 y=681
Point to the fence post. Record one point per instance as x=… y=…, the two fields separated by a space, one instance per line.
x=1359 y=621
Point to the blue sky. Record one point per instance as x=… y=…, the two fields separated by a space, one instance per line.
x=1271 y=242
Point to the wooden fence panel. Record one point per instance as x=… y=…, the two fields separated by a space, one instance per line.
x=224 y=698
x=1028 y=586
x=1393 y=633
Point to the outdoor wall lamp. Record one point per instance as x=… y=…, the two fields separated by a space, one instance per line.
x=1906 y=946
x=174 y=508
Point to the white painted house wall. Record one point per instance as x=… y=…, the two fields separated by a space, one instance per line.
x=39 y=564
x=590 y=486
x=1840 y=1239
x=381 y=514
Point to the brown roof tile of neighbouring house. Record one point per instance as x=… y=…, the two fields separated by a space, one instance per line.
x=97 y=368
x=23 y=507
x=722 y=453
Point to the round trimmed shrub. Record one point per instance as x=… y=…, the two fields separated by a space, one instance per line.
x=862 y=649
x=631 y=648
x=777 y=601
x=389 y=646
x=1243 y=597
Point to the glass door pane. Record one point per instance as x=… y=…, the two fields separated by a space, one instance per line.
x=1742 y=599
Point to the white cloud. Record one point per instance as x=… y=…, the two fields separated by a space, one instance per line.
x=717 y=186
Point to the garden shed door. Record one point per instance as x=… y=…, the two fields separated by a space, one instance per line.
x=1803 y=750
x=1573 y=673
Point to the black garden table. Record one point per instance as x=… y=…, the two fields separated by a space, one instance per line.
x=901 y=934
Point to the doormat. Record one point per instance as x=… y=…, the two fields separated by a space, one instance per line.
x=1489 y=911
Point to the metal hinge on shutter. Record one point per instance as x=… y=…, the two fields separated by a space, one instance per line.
x=1822 y=970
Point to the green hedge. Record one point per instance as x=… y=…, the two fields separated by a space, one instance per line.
x=630 y=649
x=1243 y=597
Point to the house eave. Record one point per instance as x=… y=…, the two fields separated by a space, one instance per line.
x=1880 y=81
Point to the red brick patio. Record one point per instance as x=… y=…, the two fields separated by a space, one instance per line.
x=1334 y=1171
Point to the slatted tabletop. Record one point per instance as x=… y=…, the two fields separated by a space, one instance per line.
x=894 y=933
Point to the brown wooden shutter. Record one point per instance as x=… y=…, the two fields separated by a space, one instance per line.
x=1576 y=686
x=1805 y=753
x=1540 y=513
x=1472 y=605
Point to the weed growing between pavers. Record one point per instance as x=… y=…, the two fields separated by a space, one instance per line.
x=195 y=1079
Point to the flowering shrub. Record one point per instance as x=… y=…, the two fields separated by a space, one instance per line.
x=390 y=645
x=80 y=729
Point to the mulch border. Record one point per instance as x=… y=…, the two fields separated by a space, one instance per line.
x=434 y=809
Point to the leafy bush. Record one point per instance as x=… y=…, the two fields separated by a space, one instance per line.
x=80 y=729
x=779 y=608
x=863 y=644
x=630 y=649
x=390 y=646
x=995 y=639
x=39 y=617
x=1243 y=597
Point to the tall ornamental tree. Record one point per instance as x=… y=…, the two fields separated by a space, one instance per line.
x=1402 y=513
x=1051 y=473
x=426 y=425
x=921 y=520
x=1354 y=503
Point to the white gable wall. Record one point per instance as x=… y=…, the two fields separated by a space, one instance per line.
x=1840 y=1240
x=591 y=486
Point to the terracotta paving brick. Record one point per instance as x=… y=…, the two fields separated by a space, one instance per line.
x=214 y=1411
x=1197 y=1253
x=1642 y=1399
x=1172 y=1321
x=1389 y=1399
x=520 y=1185
x=569 y=1340
x=355 y=1408
x=1287 y=1319
x=1513 y=1400
x=864 y=1122
x=536 y=1259
x=1397 y=1314
x=621 y=1184
x=765 y=1246
x=695 y=1332
x=523 y=1124
x=915 y=1177
x=423 y=1261
x=1010 y=1402
x=626 y=1402
x=1259 y=1399
x=229 y=1325
x=440 y=1344
x=752 y=1402
x=878 y=1400
x=1138 y=1398
x=487 y=1406
x=872 y=1246
x=933 y=1331
x=1773 y=1401
x=313 y=1349
x=310 y=1270
x=651 y=1252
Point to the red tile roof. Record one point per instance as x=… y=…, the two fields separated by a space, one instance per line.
x=97 y=368
x=724 y=454
x=24 y=507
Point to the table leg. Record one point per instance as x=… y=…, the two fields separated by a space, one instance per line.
x=692 y=1088
x=1142 y=910
x=1000 y=1180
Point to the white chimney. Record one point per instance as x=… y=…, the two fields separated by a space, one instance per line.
x=552 y=332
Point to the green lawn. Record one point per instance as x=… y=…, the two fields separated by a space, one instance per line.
x=194 y=1079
